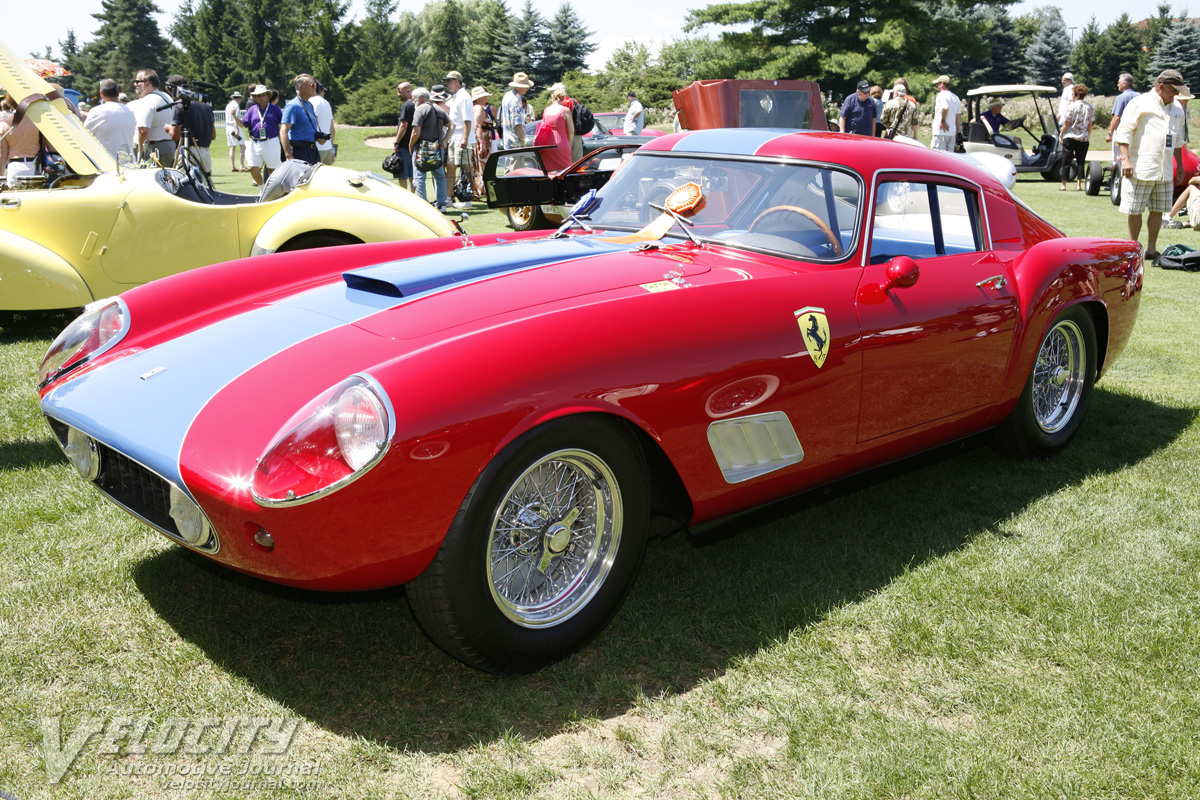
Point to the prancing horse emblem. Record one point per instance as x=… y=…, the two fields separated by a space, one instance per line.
x=814 y=327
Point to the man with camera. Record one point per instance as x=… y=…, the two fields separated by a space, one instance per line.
x=153 y=112
x=195 y=117
x=262 y=121
x=298 y=133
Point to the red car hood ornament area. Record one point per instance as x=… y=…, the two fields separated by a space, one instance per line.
x=684 y=201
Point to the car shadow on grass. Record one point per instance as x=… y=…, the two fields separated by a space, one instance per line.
x=358 y=665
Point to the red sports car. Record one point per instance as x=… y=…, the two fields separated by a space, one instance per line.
x=612 y=123
x=500 y=422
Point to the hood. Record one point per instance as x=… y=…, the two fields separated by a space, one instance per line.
x=83 y=152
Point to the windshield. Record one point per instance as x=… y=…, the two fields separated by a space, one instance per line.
x=803 y=210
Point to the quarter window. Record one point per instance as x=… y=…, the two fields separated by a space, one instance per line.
x=924 y=220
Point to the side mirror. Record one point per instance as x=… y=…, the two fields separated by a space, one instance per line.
x=902 y=272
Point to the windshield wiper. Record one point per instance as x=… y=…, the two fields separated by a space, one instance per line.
x=684 y=223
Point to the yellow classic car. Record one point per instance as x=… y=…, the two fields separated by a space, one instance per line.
x=101 y=228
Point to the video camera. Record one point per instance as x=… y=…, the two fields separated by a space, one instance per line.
x=192 y=91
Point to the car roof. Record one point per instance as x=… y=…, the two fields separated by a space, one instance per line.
x=83 y=152
x=1013 y=88
x=863 y=154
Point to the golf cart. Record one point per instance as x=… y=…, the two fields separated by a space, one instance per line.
x=1046 y=156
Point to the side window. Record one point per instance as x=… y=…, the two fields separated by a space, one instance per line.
x=924 y=220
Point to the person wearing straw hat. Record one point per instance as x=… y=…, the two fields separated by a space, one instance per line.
x=946 y=110
x=512 y=112
x=261 y=121
x=484 y=126
x=233 y=133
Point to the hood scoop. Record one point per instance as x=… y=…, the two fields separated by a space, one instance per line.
x=416 y=276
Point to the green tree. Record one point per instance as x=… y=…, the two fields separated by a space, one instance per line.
x=70 y=49
x=1089 y=57
x=1123 y=54
x=491 y=59
x=443 y=41
x=265 y=42
x=697 y=58
x=966 y=58
x=1178 y=48
x=1151 y=34
x=631 y=67
x=833 y=41
x=1050 y=51
x=570 y=44
x=375 y=43
x=204 y=33
x=127 y=40
x=531 y=40
x=1007 y=57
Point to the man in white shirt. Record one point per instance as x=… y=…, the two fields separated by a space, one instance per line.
x=1150 y=136
x=112 y=122
x=946 y=111
x=461 y=138
x=635 y=117
x=1068 y=94
x=154 y=111
x=324 y=112
x=233 y=134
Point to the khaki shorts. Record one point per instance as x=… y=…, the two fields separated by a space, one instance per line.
x=1193 y=209
x=458 y=155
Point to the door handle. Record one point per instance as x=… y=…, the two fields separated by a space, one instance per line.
x=994 y=282
x=10 y=202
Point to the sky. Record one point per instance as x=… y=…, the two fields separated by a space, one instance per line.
x=30 y=27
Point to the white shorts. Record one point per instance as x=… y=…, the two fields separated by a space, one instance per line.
x=942 y=141
x=265 y=154
x=20 y=169
x=458 y=155
x=231 y=139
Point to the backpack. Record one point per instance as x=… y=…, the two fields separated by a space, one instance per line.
x=428 y=156
x=1180 y=256
x=583 y=118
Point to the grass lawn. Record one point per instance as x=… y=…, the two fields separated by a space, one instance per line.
x=974 y=627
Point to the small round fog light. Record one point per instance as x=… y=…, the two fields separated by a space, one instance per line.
x=189 y=519
x=82 y=453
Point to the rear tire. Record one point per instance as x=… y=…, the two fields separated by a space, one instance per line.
x=1094 y=179
x=1056 y=395
x=542 y=551
x=525 y=218
x=310 y=241
x=1114 y=187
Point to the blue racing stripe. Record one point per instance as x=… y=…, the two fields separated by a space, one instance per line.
x=729 y=141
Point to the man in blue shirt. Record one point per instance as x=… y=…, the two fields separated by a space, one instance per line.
x=1127 y=93
x=858 y=112
x=298 y=132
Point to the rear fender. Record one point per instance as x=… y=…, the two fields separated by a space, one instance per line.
x=34 y=277
x=365 y=221
x=1056 y=274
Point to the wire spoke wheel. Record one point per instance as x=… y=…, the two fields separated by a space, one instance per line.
x=553 y=538
x=1059 y=376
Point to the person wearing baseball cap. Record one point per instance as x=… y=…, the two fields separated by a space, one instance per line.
x=946 y=110
x=858 y=112
x=900 y=114
x=1150 y=137
x=462 y=134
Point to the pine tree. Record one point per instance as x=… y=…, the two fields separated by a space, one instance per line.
x=1179 y=48
x=531 y=40
x=1050 y=51
x=128 y=39
x=265 y=42
x=1007 y=57
x=376 y=37
x=959 y=54
x=1123 y=54
x=443 y=41
x=1088 y=59
x=491 y=59
x=570 y=43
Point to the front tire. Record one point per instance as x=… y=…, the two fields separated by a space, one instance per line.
x=542 y=551
x=1056 y=395
x=1114 y=186
x=310 y=241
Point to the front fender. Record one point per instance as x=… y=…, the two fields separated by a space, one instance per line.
x=366 y=221
x=35 y=277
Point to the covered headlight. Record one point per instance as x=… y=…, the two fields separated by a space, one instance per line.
x=189 y=520
x=334 y=439
x=101 y=325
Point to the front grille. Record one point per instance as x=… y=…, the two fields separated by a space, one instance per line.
x=136 y=488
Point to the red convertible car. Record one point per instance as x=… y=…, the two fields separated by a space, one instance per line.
x=501 y=421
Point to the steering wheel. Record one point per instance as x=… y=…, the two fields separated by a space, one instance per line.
x=201 y=185
x=811 y=217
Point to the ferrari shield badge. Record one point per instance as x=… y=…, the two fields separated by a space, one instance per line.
x=814 y=327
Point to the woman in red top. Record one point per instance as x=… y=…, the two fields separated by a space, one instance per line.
x=556 y=128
